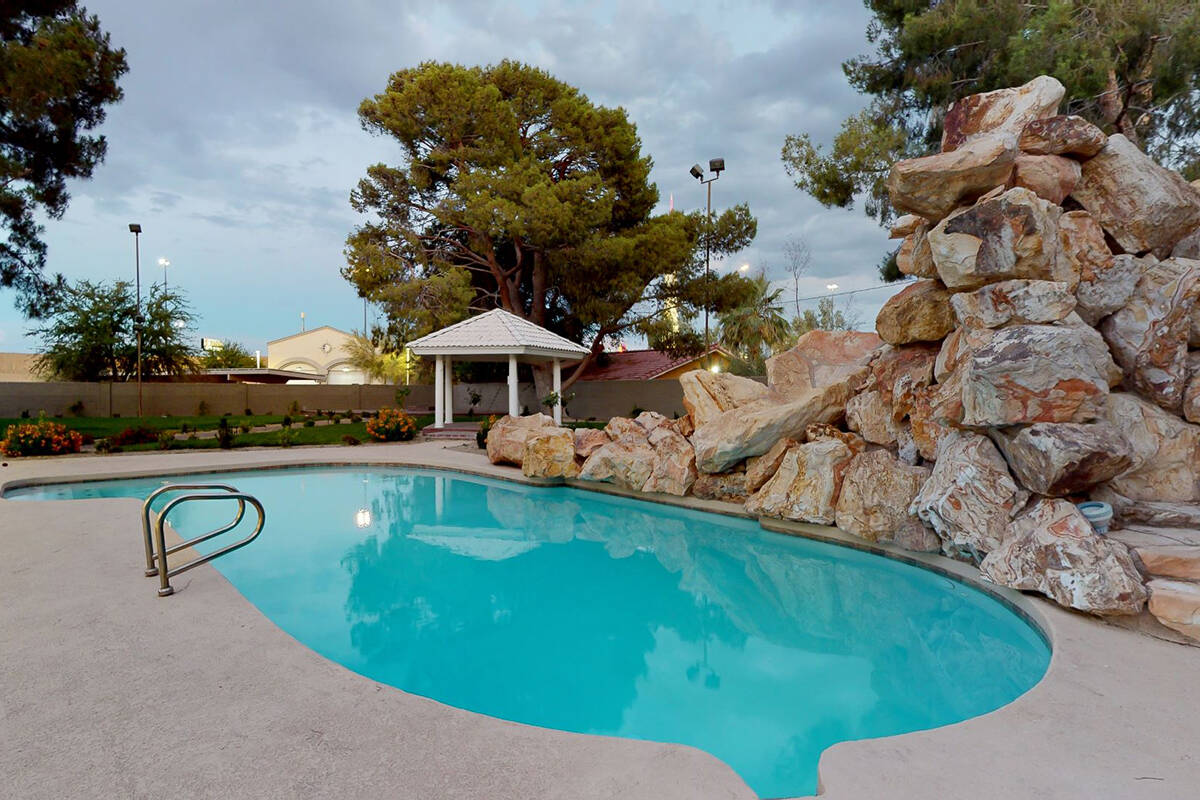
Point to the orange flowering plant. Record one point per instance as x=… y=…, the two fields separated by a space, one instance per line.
x=391 y=425
x=41 y=438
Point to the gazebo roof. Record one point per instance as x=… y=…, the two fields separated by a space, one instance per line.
x=495 y=334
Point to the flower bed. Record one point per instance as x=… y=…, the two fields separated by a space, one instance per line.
x=391 y=425
x=41 y=438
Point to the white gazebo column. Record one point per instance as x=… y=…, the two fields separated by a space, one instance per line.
x=557 y=392
x=513 y=409
x=438 y=385
x=449 y=391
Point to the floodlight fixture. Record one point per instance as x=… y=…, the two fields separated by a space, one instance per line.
x=716 y=165
x=697 y=172
x=135 y=228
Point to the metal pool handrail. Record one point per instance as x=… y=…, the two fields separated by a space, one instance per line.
x=151 y=569
x=166 y=572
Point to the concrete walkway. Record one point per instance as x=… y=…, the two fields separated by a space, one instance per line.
x=109 y=691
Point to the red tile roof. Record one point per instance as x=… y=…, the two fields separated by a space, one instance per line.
x=640 y=365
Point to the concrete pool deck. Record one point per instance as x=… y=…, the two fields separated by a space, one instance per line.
x=110 y=691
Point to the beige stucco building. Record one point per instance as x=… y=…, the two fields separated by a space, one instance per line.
x=320 y=352
x=17 y=367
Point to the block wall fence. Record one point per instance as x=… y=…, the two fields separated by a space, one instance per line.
x=593 y=399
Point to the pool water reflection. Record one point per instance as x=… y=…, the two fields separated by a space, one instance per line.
x=590 y=613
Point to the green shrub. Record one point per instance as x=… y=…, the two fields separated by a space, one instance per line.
x=482 y=434
x=287 y=437
x=350 y=439
x=247 y=412
x=286 y=421
x=294 y=408
x=76 y=408
x=202 y=408
x=165 y=440
x=245 y=427
x=308 y=423
x=355 y=418
x=25 y=414
x=224 y=435
x=392 y=425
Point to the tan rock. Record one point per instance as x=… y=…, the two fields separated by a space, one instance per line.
x=1062 y=135
x=674 y=469
x=957 y=348
x=933 y=186
x=822 y=358
x=1172 y=553
x=1050 y=548
x=937 y=411
x=685 y=426
x=619 y=427
x=550 y=454
x=588 y=441
x=728 y=487
x=1013 y=302
x=626 y=462
x=970 y=496
x=1191 y=392
x=1177 y=605
x=1012 y=235
x=707 y=395
x=874 y=499
x=1108 y=290
x=805 y=487
x=1049 y=177
x=1149 y=336
x=648 y=421
x=750 y=430
x=1142 y=205
x=1188 y=246
x=869 y=413
x=914 y=256
x=1005 y=110
x=759 y=469
x=1060 y=459
x=1104 y=285
x=507 y=437
x=1032 y=373
x=919 y=313
x=905 y=225
x=890 y=364
x=1096 y=347
x=1164 y=448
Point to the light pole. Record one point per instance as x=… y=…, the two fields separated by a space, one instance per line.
x=164 y=263
x=136 y=230
x=716 y=166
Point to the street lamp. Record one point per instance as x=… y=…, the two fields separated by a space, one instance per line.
x=831 y=286
x=716 y=166
x=164 y=263
x=136 y=230
x=743 y=268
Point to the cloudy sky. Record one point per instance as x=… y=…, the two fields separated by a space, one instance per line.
x=237 y=143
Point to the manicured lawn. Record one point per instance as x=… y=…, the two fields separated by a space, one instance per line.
x=102 y=427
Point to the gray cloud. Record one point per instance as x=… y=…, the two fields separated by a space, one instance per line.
x=238 y=144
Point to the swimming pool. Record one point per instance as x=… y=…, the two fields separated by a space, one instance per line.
x=585 y=612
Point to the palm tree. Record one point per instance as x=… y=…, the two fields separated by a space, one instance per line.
x=756 y=327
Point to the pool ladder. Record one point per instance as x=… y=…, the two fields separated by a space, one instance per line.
x=155 y=537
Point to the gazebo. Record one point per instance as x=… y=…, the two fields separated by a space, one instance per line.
x=495 y=335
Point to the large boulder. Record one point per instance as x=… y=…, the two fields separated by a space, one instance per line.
x=933 y=186
x=935 y=413
x=1191 y=392
x=919 y=313
x=750 y=430
x=1104 y=286
x=1143 y=206
x=1188 y=246
x=620 y=427
x=507 y=436
x=869 y=413
x=649 y=421
x=1003 y=110
x=727 y=487
x=1007 y=236
x=674 y=468
x=805 y=487
x=550 y=454
x=1049 y=177
x=1149 y=336
x=1096 y=347
x=822 y=358
x=1062 y=136
x=1013 y=302
x=970 y=496
x=759 y=469
x=1176 y=604
x=1052 y=549
x=1164 y=448
x=626 y=462
x=1032 y=373
x=905 y=225
x=707 y=395
x=957 y=348
x=873 y=502
x=588 y=441
x=1063 y=458
x=914 y=256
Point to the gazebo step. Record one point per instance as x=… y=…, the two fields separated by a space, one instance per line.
x=455 y=430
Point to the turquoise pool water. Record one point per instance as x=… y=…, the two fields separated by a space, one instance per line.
x=584 y=612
